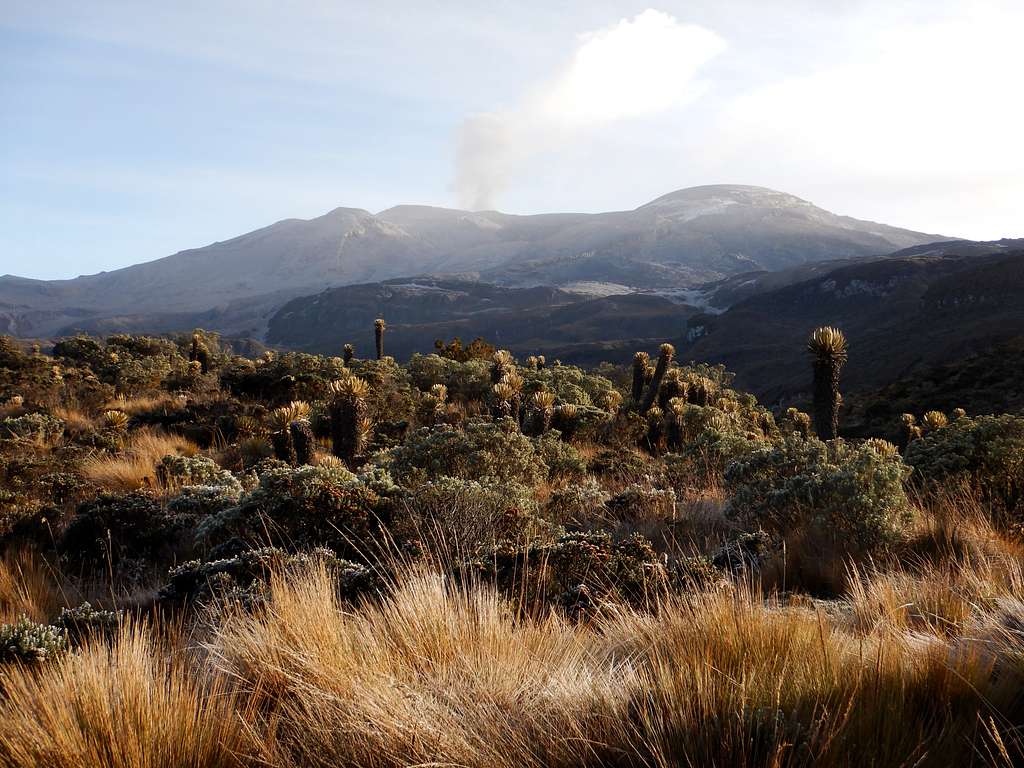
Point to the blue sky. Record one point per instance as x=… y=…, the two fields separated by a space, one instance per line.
x=131 y=131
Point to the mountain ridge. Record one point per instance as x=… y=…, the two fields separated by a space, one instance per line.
x=682 y=239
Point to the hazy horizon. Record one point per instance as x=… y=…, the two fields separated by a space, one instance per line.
x=132 y=134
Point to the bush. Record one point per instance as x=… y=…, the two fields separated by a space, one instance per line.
x=31 y=426
x=571 y=385
x=112 y=530
x=84 y=622
x=469 y=514
x=483 y=449
x=26 y=641
x=985 y=453
x=469 y=380
x=638 y=502
x=702 y=462
x=245 y=576
x=562 y=459
x=80 y=350
x=580 y=571
x=195 y=503
x=302 y=507
x=193 y=470
x=854 y=493
x=623 y=465
x=577 y=502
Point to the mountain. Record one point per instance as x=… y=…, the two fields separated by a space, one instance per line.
x=537 y=320
x=904 y=315
x=679 y=240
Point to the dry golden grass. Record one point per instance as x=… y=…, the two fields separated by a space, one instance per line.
x=135 y=466
x=433 y=675
x=27 y=587
x=129 y=706
x=437 y=674
x=448 y=676
x=75 y=420
x=151 y=403
x=919 y=664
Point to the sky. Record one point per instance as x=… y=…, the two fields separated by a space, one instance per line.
x=130 y=131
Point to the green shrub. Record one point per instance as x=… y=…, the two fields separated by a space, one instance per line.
x=31 y=426
x=702 y=461
x=114 y=531
x=26 y=641
x=470 y=514
x=577 y=502
x=466 y=380
x=984 y=453
x=570 y=385
x=579 y=571
x=641 y=502
x=561 y=458
x=244 y=577
x=84 y=621
x=623 y=464
x=302 y=507
x=853 y=493
x=482 y=449
x=144 y=374
x=81 y=350
x=196 y=503
x=193 y=470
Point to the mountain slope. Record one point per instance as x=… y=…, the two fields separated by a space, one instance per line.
x=679 y=240
x=536 y=320
x=902 y=314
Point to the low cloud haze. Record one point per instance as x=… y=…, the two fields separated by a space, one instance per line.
x=130 y=133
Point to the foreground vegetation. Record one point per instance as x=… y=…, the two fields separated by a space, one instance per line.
x=472 y=560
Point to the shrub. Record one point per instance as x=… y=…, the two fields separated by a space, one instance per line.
x=469 y=380
x=577 y=502
x=84 y=621
x=984 y=453
x=569 y=384
x=579 y=571
x=195 y=503
x=852 y=492
x=702 y=461
x=483 y=449
x=470 y=514
x=80 y=350
x=31 y=426
x=112 y=529
x=631 y=568
x=245 y=576
x=193 y=470
x=302 y=506
x=639 y=502
x=623 y=464
x=562 y=459
x=27 y=641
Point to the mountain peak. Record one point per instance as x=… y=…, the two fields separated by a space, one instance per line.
x=679 y=240
x=725 y=195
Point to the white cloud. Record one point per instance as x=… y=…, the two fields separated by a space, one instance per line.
x=920 y=114
x=632 y=69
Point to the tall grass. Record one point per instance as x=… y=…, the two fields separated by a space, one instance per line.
x=439 y=673
x=135 y=466
x=132 y=705
x=27 y=587
x=446 y=675
x=433 y=675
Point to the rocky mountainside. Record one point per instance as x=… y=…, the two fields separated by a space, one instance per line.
x=680 y=240
x=908 y=313
x=538 y=320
